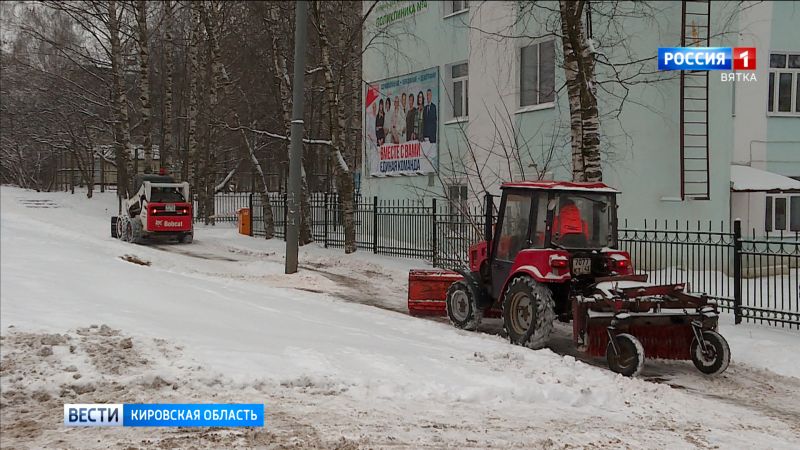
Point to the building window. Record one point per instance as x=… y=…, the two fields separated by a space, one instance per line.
x=460 y=83
x=784 y=84
x=782 y=213
x=537 y=74
x=457 y=201
x=455 y=7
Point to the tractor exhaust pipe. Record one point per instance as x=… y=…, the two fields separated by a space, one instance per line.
x=488 y=217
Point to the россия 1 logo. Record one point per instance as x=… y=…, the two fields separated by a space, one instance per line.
x=710 y=58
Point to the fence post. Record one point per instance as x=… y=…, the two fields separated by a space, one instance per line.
x=375 y=224
x=737 y=271
x=250 y=206
x=285 y=213
x=325 y=225
x=433 y=239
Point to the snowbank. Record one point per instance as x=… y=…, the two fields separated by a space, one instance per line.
x=302 y=346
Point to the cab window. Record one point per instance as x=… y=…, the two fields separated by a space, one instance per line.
x=514 y=229
x=166 y=195
x=583 y=221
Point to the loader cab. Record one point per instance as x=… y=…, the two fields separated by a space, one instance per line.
x=574 y=217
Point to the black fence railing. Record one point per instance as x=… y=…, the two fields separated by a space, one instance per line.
x=756 y=278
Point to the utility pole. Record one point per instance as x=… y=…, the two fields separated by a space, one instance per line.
x=296 y=154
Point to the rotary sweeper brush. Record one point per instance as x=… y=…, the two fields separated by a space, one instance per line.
x=553 y=255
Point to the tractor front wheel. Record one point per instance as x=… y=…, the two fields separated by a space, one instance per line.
x=716 y=357
x=528 y=313
x=625 y=355
x=462 y=306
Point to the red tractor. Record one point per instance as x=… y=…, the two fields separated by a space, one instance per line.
x=553 y=255
x=160 y=208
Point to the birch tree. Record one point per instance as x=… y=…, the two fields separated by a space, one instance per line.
x=335 y=85
x=579 y=70
x=144 y=83
x=221 y=77
x=191 y=150
x=121 y=125
x=168 y=125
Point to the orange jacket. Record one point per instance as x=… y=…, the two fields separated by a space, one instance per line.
x=569 y=221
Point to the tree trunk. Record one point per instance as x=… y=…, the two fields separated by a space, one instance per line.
x=336 y=116
x=220 y=75
x=191 y=155
x=121 y=125
x=144 y=83
x=166 y=152
x=579 y=69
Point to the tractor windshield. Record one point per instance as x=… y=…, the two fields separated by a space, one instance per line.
x=583 y=220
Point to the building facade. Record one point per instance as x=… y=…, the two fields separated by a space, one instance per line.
x=492 y=71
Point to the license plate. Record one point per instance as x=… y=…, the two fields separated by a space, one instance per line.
x=581 y=266
x=170 y=207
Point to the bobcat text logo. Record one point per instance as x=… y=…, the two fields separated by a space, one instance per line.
x=168 y=223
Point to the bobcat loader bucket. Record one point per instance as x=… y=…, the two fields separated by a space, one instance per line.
x=427 y=291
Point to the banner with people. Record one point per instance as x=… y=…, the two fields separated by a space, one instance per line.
x=401 y=123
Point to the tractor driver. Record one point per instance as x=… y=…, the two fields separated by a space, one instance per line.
x=568 y=225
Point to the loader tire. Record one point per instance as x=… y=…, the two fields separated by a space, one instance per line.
x=717 y=356
x=114 y=226
x=123 y=227
x=462 y=306
x=629 y=361
x=187 y=238
x=136 y=232
x=528 y=313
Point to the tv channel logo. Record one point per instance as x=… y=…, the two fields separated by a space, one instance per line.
x=707 y=58
x=164 y=415
x=93 y=415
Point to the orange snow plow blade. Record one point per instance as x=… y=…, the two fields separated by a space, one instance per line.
x=427 y=291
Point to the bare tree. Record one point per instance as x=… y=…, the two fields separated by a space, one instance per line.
x=121 y=125
x=579 y=70
x=167 y=121
x=144 y=83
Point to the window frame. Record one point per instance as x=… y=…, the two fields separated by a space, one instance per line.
x=449 y=10
x=457 y=205
x=773 y=88
x=770 y=212
x=539 y=104
x=464 y=80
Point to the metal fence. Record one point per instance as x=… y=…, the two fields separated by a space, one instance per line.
x=756 y=278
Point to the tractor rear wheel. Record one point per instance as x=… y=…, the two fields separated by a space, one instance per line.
x=528 y=313
x=462 y=306
x=715 y=359
x=628 y=357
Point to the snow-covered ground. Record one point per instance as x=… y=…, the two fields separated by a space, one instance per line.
x=88 y=319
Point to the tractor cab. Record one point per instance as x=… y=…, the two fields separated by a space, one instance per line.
x=554 y=231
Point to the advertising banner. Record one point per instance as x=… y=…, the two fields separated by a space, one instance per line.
x=402 y=124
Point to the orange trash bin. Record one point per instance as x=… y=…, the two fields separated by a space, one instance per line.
x=243 y=217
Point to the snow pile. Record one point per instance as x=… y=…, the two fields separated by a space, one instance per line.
x=330 y=367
